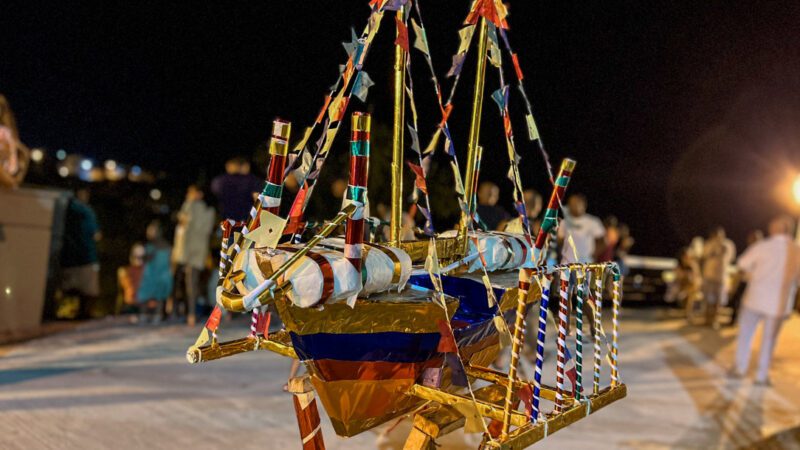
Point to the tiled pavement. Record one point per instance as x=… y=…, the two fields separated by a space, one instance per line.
x=122 y=386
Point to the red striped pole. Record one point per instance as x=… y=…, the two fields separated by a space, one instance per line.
x=270 y=198
x=561 y=343
x=305 y=408
x=278 y=149
x=550 y=221
x=357 y=187
x=551 y=213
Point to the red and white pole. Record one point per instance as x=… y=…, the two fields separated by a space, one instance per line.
x=270 y=200
x=278 y=149
x=357 y=187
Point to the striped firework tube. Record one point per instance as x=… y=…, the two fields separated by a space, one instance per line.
x=270 y=198
x=579 y=336
x=357 y=187
x=278 y=149
x=537 y=376
x=524 y=283
x=598 y=317
x=517 y=343
x=561 y=343
x=615 y=330
x=280 y=131
x=227 y=229
x=551 y=213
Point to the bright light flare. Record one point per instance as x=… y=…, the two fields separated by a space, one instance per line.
x=796 y=189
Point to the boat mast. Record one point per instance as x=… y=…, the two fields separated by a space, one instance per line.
x=397 y=138
x=474 y=133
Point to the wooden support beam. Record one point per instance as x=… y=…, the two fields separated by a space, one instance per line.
x=500 y=378
x=277 y=343
x=438 y=420
x=531 y=433
x=485 y=409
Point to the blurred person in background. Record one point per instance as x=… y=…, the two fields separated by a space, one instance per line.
x=772 y=267
x=580 y=233
x=156 y=284
x=178 y=299
x=740 y=282
x=196 y=219
x=533 y=206
x=493 y=216
x=80 y=267
x=624 y=245
x=581 y=239
x=719 y=253
x=611 y=239
x=685 y=289
x=128 y=280
x=14 y=155
x=236 y=189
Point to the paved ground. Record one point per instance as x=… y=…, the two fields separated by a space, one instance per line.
x=104 y=386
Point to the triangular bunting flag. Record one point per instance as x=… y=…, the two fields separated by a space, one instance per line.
x=494 y=47
x=458 y=63
x=361 y=85
x=465 y=37
x=500 y=97
x=350 y=47
x=414 y=139
x=402 y=35
x=533 y=132
x=420 y=180
x=420 y=40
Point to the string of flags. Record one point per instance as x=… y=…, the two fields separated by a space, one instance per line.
x=334 y=108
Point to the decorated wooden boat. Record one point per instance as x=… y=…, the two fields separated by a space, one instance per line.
x=390 y=329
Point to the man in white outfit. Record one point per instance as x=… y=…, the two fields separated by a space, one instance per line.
x=773 y=269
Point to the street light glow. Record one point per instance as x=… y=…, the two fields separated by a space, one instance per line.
x=37 y=155
x=796 y=189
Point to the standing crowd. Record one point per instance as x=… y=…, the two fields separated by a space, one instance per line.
x=759 y=287
x=176 y=280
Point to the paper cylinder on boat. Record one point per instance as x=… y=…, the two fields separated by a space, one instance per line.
x=383 y=268
x=501 y=251
x=321 y=276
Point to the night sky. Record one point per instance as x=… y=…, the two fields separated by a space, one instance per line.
x=681 y=115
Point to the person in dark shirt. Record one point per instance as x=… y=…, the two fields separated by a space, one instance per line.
x=493 y=216
x=80 y=268
x=236 y=189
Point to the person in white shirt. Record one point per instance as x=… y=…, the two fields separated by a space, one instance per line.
x=582 y=235
x=772 y=266
x=585 y=230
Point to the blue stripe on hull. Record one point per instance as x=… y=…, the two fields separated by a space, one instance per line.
x=388 y=346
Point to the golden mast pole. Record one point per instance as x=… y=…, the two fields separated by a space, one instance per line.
x=397 y=139
x=474 y=133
